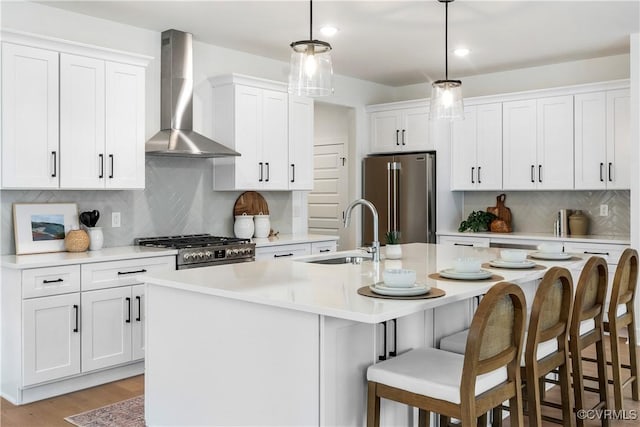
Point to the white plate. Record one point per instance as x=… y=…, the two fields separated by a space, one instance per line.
x=500 y=263
x=417 y=289
x=550 y=255
x=451 y=273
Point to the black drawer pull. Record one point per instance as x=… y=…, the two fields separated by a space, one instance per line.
x=532 y=169
x=139 y=308
x=384 y=340
x=325 y=250
x=281 y=256
x=53 y=281
x=463 y=244
x=394 y=352
x=597 y=253
x=121 y=273
x=539 y=173
x=128 y=310
x=268 y=173
x=75 y=307
x=479 y=182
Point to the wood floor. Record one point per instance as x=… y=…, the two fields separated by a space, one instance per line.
x=51 y=412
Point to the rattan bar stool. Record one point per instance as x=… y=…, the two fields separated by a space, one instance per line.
x=452 y=385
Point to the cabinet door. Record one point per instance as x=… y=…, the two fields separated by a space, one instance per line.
x=489 y=147
x=106 y=327
x=590 y=140
x=618 y=168
x=125 y=126
x=463 y=151
x=414 y=134
x=30 y=150
x=519 y=145
x=82 y=101
x=385 y=131
x=249 y=167
x=283 y=251
x=275 y=139
x=300 y=143
x=137 y=322
x=51 y=338
x=555 y=143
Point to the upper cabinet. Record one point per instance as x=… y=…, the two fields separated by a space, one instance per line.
x=538 y=144
x=602 y=140
x=397 y=127
x=272 y=131
x=476 y=148
x=99 y=104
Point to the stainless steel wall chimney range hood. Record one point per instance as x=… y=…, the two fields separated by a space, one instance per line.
x=176 y=137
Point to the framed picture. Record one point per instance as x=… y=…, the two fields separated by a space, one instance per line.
x=41 y=227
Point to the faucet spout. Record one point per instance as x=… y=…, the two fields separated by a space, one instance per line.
x=375 y=245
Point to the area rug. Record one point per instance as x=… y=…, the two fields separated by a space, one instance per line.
x=127 y=413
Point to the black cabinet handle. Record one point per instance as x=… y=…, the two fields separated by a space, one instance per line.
x=610 y=175
x=539 y=173
x=267 y=178
x=472 y=169
x=76 y=308
x=403 y=143
x=601 y=178
x=139 y=308
x=293 y=172
x=128 y=310
x=121 y=273
x=463 y=244
x=597 y=253
x=282 y=256
x=111 y=160
x=532 y=169
x=384 y=340
x=397 y=139
x=325 y=250
x=53 y=281
x=479 y=182
x=260 y=166
x=55 y=164
x=101 y=157
x=394 y=352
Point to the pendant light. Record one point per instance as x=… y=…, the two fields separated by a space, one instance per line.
x=446 y=95
x=311 y=70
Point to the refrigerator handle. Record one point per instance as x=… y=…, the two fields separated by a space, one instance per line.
x=389 y=189
x=393 y=203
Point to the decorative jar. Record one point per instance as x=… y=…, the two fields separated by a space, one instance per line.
x=262 y=225
x=243 y=228
x=96 y=238
x=76 y=241
x=578 y=224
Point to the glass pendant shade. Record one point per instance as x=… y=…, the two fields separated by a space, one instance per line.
x=311 y=69
x=446 y=100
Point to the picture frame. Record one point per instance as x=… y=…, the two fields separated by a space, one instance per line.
x=42 y=227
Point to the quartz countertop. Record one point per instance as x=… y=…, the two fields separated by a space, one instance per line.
x=67 y=258
x=290 y=239
x=331 y=290
x=591 y=238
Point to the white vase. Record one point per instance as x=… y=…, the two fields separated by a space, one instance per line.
x=393 y=251
x=96 y=238
x=262 y=225
x=243 y=228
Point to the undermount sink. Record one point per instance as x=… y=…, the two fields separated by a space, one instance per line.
x=342 y=259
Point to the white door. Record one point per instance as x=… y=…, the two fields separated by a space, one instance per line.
x=106 y=327
x=328 y=199
x=590 y=140
x=519 y=145
x=555 y=143
x=414 y=134
x=618 y=140
x=137 y=322
x=275 y=139
x=489 y=146
x=51 y=337
x=463 y=151
x=30 y=153
x=300 y=143
x=385 y=131
x=82 y=101
x=125 y=126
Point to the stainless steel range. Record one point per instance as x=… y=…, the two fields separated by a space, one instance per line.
x=202 y=250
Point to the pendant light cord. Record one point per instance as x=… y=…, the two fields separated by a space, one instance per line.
x=310 y=19
x=446 y=41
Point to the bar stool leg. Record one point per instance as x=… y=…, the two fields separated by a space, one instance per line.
x=615 y=365
x=533 y=397
x=633 y=360
x=603 y=382
x=423 y=418
x=578 y=379
x=496 y=416
x=373 y=406
x=482 y=420
x=565 y=393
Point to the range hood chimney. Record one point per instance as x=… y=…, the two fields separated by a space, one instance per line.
x=176 y=137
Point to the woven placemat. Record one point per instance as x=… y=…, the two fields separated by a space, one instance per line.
x=493 y=278
x=573 y=258
x=535 y=267
x=433 y=293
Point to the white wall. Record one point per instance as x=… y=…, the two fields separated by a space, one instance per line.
x=635 y=152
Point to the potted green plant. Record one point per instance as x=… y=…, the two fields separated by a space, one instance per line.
x=477 y=221
x=393 y=250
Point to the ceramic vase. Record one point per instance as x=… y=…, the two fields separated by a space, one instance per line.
x=243 y=228
x=96 y=238
x=262 y=225
x=393 y=251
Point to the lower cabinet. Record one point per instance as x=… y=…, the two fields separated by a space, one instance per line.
x=477 y=242
x=293 y=250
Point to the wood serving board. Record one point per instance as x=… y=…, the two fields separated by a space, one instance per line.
x=251 y=203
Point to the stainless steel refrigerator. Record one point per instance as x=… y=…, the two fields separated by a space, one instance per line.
x=402 y=187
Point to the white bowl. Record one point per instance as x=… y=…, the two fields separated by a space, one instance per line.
x=467 y=265
x=399 y=277
x=513 y=255
x=550 y=248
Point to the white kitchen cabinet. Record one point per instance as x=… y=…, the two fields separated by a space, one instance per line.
x=101 y=124
x=471 y=241
x=538 y=144
x=30 y=148
x=282 y=251
x=137 y=322
x=602 y=140
x=402 y=129
x=324 y=247
x=300 y=143
x=476 y=151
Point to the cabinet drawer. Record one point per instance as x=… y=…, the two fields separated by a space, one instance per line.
x=102 y=275
x=478 y=242
x=283 y=251
x=323 y=247
x=611 y=253
x=40 y=282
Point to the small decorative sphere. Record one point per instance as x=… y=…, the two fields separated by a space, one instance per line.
x=76 y=241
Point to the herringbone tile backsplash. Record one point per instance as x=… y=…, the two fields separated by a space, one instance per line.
x=535 y=211
x=178 y=199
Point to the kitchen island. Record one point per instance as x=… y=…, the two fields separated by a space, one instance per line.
x=288 y=342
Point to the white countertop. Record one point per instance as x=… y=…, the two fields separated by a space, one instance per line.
x=289 y=239
x=592 y=238
x=331 y=290
x=66 y=258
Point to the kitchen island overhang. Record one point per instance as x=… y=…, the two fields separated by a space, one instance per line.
x=286 y=342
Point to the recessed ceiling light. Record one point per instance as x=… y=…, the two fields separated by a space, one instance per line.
x=329 y=31
x=461 y=52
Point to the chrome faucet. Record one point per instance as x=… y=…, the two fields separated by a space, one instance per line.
x=375 y=245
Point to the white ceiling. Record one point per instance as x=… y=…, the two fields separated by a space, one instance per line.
x=396 y=42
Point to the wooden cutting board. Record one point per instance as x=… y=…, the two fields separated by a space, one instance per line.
x=251 y=203
x=503 y=213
